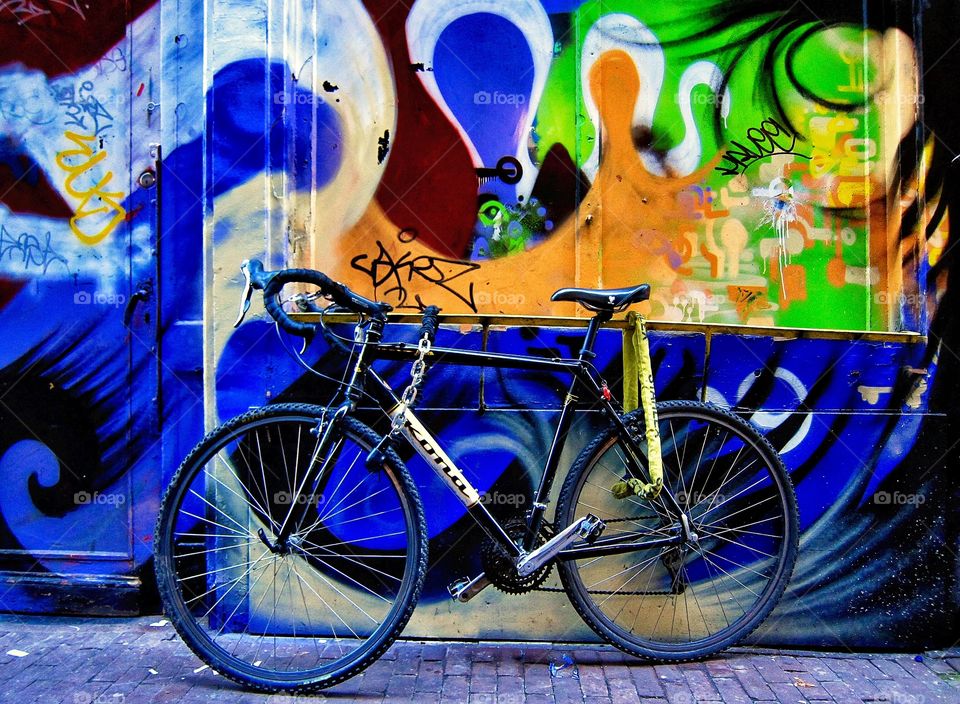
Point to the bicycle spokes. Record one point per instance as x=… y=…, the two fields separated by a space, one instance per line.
x=287 y=552
x=715 y=538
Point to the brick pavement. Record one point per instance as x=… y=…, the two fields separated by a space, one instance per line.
x=127 y=661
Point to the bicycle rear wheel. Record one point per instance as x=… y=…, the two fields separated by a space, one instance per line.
x=309 y=611
x=695 y=596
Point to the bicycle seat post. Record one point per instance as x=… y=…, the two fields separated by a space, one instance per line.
x=590 y=339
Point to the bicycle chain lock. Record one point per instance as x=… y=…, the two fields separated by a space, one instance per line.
x=378 y=455
x=637 y=366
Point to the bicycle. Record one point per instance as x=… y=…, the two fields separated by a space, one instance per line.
x=291 y=545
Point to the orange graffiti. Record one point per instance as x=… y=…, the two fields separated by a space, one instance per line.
x=748 y=300
x=108 y=199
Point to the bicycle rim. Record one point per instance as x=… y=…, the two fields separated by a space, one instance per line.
x=701 y=595
x=308 y=611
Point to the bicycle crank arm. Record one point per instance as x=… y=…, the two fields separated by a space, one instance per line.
x=463 y=590
x=588 y=529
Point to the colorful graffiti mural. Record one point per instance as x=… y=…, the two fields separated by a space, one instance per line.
x=759 y=165
x=77 y=267
x=739 y=208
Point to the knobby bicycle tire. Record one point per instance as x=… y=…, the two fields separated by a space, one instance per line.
x=742 y=507
x=312 y=564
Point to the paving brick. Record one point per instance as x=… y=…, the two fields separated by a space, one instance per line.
x=509 y=683
x=538 y=699
x=701 y=685
x=866 y=668
x=80 y=661
x=510 y=666
x=483 y=683
x=402 y=686
x=753 y=684
x=787 y=693
x=770 y=670
x=842 y=693
x=434 y=651
x=593 y=682
x=647 y=682
x=455 y=687
x=678 y=692
x=731 y=690
x=484 y=669
x=815 y=667
x=536 y=678
x=457 y=662
x=719 y=668
x=622 y=691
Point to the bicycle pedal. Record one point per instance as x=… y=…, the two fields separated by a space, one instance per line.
x=464 y=589
x=591 y=528
x=583 y=529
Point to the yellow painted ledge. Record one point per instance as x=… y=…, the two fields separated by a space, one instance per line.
x=493 y=321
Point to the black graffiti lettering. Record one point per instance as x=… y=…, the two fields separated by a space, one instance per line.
x=394 y=275
x=30 y=250
x=768 y=139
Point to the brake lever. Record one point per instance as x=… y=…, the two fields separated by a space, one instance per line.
x=247 y=293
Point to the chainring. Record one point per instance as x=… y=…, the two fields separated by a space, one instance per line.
x=499 y=567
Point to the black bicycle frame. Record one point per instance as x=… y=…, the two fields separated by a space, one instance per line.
x=584 y=386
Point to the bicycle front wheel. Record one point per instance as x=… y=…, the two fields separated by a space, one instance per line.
x=282 y=561
x=717 y=558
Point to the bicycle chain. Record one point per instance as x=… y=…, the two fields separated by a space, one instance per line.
x=607 y=592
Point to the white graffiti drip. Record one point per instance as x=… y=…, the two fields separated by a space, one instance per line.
x=780 y=209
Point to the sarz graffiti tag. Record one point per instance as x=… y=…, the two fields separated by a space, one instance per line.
x=391 y=277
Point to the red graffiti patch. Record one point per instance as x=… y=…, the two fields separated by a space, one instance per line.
x=62 y=36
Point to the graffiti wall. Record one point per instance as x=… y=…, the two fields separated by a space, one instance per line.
x=741 y=163
x=760 y=166
x=79 y=140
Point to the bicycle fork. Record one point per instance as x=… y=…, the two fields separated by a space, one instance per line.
x=322 y=454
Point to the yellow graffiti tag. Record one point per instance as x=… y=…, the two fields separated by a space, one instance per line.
x=108 y=199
